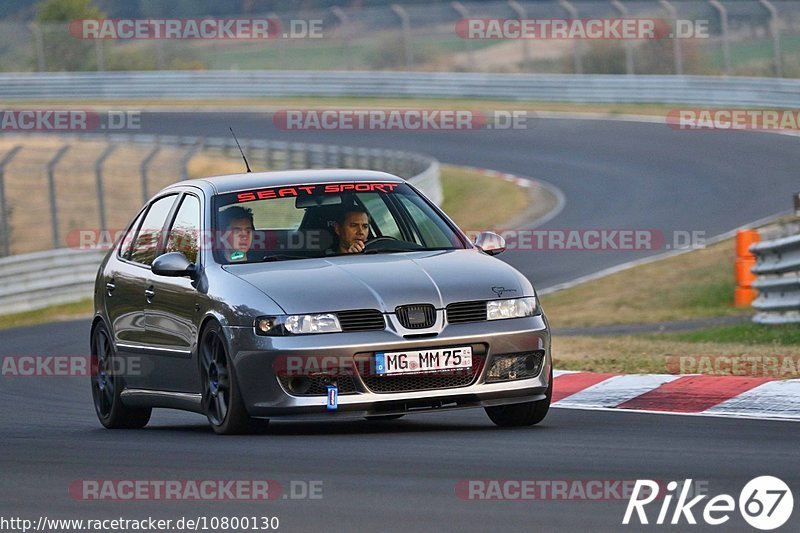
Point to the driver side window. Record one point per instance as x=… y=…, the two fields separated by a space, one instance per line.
x=145 y=246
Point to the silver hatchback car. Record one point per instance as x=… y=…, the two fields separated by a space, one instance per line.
x=318 y=293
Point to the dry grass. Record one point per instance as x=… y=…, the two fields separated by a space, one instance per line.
x=697 y=284
x=27 y=186
x=466 y=191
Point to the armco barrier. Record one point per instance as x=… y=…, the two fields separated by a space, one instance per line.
x=219 y=85
x=36 y=280
x=778 y=282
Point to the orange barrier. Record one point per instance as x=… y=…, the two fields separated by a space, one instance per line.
x=745 y=293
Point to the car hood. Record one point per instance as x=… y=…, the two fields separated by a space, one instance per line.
x=385 y=281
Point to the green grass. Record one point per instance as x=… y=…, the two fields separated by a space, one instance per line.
x=782 y=335
x=53 y=313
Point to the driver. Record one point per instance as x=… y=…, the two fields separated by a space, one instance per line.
x=352 y=229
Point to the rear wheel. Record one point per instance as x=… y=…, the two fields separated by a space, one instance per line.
x=221 y=399
x=107 y=386
x=522 y=414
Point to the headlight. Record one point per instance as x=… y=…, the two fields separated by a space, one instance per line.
x=298 y=324
x=325 y=323
x=514 y=308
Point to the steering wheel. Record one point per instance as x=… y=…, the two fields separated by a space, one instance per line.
x=378 y=243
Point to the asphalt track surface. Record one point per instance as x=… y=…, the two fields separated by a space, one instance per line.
x=402 y=475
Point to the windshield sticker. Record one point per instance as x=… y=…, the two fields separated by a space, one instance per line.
x=311 y=190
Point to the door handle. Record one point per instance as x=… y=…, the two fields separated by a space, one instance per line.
x=110 y=286
x=150 y=293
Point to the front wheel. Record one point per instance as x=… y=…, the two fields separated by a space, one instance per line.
x=107 y=385
x=522 y=414
x=221 y=399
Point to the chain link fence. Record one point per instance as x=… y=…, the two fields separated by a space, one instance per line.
x=80 y=191
x=745 y=37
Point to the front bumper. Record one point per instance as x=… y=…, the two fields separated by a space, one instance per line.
x=256 y=359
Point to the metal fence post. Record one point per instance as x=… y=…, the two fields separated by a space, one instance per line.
x=526 y=50
x=98 y=50
x=98 y=172
x=405 y=24
x=627 y=44
x=344 y=21
x=51 y=166
x=775 y=31
x=143 y=171
x=726 y=48
x=462 y=11
x=190 y=153
x=39 y=42
x=577 y=50
x=5 y=226
x=677 y=51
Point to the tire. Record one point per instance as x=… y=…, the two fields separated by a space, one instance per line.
x=107 y=386
x=382 y=418
x=522 y=414
x=221 y=399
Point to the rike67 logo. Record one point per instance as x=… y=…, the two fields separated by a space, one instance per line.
x=765 y=503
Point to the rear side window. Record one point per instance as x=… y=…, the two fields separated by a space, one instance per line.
x=185 y=231
x=145 y=245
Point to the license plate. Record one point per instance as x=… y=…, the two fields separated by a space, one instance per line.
x=439 y=359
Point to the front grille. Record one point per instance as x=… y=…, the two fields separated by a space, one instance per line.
x=422 y=381
x=316 y=386
x=416 y=316
x=361 y=320
x=466 y=312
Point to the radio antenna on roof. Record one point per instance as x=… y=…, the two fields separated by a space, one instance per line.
x=246 y=164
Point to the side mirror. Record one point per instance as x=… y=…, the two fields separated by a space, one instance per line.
x=490 y=242
x=174 y=265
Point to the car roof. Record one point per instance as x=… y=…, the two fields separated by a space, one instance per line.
x=256 y=180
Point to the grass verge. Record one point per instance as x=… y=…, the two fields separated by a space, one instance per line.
x=697 y=284
x=315 y=102
x=53 y=313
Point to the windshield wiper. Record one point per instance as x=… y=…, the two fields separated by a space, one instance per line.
x=393 y=250
x=282 y=257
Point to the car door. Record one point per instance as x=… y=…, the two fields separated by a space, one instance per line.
x=171 y=315
x=130 y=279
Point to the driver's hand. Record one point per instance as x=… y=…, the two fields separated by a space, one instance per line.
x=356 y=247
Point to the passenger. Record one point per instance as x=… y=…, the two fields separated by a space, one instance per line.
x=238 y=230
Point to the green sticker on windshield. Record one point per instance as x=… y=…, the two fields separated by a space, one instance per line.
x=237 y=256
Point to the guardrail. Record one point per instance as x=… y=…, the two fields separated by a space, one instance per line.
x=587 y=88
x=778 y=281
x=40 y=279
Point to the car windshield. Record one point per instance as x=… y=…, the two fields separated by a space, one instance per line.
x=302 y=221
